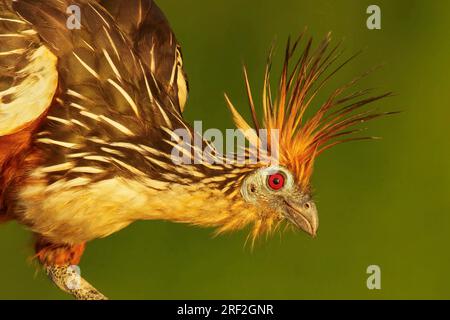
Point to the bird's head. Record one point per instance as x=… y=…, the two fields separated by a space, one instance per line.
x=274 y=191
x=280 y=188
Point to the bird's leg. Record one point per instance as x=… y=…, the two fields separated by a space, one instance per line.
x=61 y=263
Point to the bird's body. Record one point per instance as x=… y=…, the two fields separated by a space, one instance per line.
x=79 y=144
x=79 y=215
x=87 y=129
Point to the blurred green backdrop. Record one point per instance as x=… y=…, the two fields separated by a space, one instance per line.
x=384 y=202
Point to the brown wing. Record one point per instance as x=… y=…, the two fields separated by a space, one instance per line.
x=99 y=68
x=154 y=41
x=107 y=100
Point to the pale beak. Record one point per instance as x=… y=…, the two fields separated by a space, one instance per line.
x=303 y=214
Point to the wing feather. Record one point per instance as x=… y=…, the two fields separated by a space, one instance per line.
x=147 y=28
x=28 y=73
x=101 y=95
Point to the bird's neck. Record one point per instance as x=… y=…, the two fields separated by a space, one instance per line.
x=69 y=214
x=193 y=204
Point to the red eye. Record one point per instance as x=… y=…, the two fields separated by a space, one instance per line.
x=276 y=181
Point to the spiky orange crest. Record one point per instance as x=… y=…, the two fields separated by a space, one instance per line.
x=302 y=140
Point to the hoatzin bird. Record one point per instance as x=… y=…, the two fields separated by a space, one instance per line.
x=87 y=131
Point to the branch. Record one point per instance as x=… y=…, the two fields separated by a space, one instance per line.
x=70 y=281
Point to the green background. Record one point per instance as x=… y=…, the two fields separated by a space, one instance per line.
x=384 y=202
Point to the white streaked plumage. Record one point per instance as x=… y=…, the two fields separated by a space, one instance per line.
x=59 y=167
x=76 y=95
x=118 y=126
x=128 y=167
x=92 y=170
x=113 y=45
x=12 y=20
x=112 y=65
x=86 y=66
x=125 y=94
x=11 y=52
x=59 y=143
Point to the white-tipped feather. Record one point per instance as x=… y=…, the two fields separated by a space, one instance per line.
x=33 y=95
